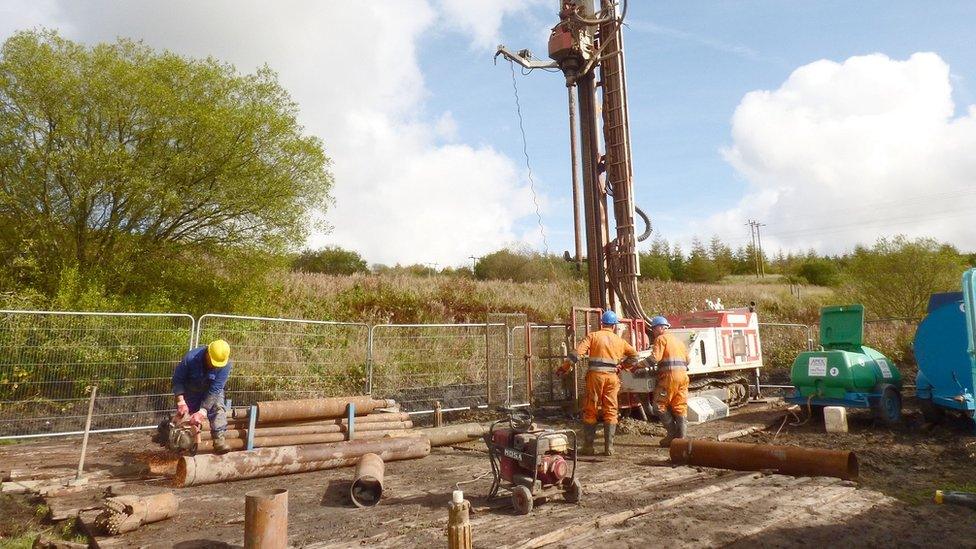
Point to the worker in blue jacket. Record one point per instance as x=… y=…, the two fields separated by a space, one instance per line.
x=198 y=384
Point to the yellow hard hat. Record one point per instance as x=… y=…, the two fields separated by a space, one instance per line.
x=219 y=353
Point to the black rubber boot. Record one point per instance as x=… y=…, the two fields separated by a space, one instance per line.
x=681 y=427
x=667 y=420
x=589 y=434
x=220 y=445
x=609 y=429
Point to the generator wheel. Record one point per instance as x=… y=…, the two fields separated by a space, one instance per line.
x=522 y=500
x=888 y=407
x=574 y=491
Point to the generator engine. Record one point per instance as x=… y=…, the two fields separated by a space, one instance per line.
x=533 y=461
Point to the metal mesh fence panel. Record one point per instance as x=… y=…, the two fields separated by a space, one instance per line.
x=48 y=359
x=780 y=345
x=507 y=350
x=419 y=364
x=283 y=358
x=893 y=337
x=548 y=352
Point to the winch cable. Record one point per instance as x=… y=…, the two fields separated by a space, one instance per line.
x=528 y=167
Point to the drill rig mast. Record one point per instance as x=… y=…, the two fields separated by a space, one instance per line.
x=587 y=46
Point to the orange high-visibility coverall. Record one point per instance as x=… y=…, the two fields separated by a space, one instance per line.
x=606 y=349
x=671 y=390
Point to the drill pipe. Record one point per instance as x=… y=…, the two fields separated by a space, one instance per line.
x=291 y=440
x=266 y=462
x=367 y=484
x=788 y=460
x=379 y=417
x=266 y=519
x=453 y=434
x=309 y=429
x=316 y=408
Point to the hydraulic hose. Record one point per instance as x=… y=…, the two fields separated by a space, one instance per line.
x=647 y=224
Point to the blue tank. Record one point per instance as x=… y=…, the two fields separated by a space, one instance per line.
x=944 y=350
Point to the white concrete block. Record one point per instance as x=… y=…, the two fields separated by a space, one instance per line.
x=706 y=408
x=835 y=419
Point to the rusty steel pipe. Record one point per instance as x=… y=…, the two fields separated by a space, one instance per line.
x=267 y=462
x=381 y=417
x=293 y=440
x=367 y=483
x=310 y=429
x=266 y=519
x=316 y=408
x=453 y=434
x=787 y=460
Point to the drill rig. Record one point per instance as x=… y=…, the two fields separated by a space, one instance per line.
x=587 y=47
x=583 y=44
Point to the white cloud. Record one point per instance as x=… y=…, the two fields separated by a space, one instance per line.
x=402 y=194
x=843 y=153
x=481 y=20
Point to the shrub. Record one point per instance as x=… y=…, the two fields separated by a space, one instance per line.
x=330 y=260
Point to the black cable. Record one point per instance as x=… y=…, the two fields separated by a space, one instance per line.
x=528 y=167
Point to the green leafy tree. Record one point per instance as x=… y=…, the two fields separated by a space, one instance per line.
x=654 y=267
x=122 y=163
x=721 y=255
x=895 y=277
x=677 y=262
x=330 y=260
x=699 y=267
x=656 y=263
x=819 y=272
x=522 y=266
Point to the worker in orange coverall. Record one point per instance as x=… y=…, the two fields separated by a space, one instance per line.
x=605 y=350
x=671 y=391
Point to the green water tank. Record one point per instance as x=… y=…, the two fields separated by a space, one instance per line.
x=844 y=371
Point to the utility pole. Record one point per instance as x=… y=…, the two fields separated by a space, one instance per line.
x=757 y=247
x=752 y=235
x=762 y=259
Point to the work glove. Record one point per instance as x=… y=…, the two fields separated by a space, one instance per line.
x=197 y=418
x=181 y=408
x=642 y=372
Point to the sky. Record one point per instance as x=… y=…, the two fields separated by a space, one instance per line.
x=833 y=123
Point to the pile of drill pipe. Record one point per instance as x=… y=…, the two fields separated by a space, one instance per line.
x=366 y=427
x=309 y=421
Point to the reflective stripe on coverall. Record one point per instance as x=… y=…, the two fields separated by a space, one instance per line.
x=671 y=390
x=606 y=349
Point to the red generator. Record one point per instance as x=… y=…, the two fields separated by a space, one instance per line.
x=534 y=462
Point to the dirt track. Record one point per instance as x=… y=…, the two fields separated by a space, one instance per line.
x=695 y=507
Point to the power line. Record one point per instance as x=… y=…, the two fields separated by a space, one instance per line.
x=888 y=221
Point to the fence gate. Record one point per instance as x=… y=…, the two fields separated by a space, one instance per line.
x=508 y=358
x=49 y=359
x=548 y=351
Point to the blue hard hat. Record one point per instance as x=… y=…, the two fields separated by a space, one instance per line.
x=609 y=318
x=660 y=321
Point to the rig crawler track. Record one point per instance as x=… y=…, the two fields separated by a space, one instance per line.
x=737 y=386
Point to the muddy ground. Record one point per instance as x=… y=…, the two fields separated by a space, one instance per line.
x=900 y=468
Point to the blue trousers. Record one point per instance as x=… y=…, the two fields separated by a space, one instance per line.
x=213 y=405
